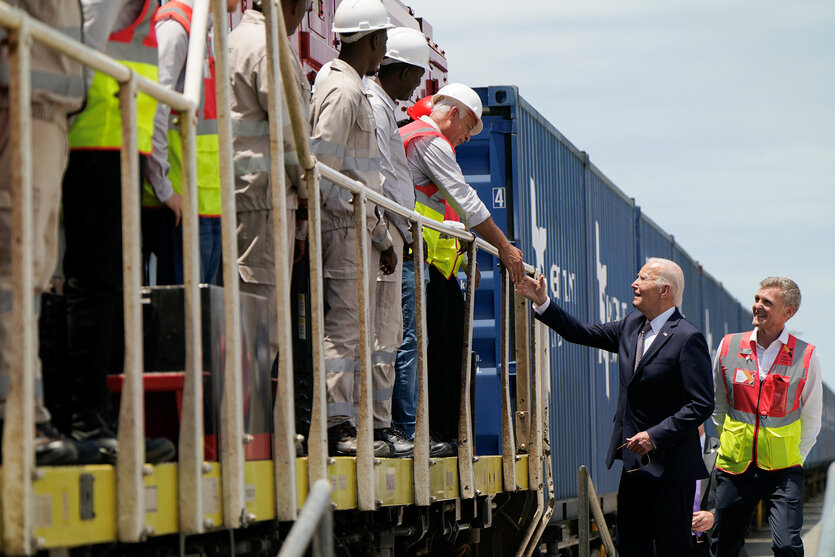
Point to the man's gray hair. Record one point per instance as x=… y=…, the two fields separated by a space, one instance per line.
x=669 y=274
x=444 y=105
x=788 y=288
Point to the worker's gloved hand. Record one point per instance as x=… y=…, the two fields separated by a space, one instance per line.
x=388 y=261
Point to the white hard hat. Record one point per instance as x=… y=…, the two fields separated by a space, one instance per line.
x=407 y=45
x=353 y=16
x=464 y=95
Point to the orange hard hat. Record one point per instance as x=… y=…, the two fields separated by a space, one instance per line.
x=421 y=108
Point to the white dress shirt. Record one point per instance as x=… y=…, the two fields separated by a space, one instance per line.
x=811 y=400
x=432 y=160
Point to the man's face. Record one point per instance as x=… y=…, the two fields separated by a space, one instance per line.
x=409 y=80
x=231 y=5
x=770 y=309
x=646 y=294
x=457 y=130
x=378 y=51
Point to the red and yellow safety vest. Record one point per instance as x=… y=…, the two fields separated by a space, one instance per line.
x=99 y=127
x=208 y=165
x=441 y=251
x=762 y=423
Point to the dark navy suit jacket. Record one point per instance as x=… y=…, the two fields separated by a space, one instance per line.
x=668 y=396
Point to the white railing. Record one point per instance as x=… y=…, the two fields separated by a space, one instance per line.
x=19 y=468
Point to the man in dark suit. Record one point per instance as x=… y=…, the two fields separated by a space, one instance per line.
x=666 y=392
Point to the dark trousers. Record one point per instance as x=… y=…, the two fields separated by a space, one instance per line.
x=654 y=514
x=445 y=324
x=738 y=495
x=92 y=201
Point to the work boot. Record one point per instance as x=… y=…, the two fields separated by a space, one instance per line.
x=91 y=426
x=342 y=441
x=442 y=449
x=403 y=446
x=51 y=447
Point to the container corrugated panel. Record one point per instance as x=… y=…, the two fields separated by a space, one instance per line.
x=551 y=227
x=720 y=312
x=691 y=306
x=652 y=240
x=612 y=245
x=824 y=450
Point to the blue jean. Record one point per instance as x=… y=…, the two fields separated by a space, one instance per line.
x=209 y=232
x=404 y=398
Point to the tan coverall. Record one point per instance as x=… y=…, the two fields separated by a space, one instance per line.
x=344 y=138
x=251 y=146
x=58 y=89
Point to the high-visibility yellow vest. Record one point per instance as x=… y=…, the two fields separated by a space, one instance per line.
x=208 y=165
x=99 y=127
x=762 y=423
x=441 y=251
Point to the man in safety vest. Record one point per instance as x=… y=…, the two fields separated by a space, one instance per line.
x=162 y=234
x=768 y=415
x=442 y=194
x=58 y=92
x=344 y=138
x=251 y=145
x=92 y=202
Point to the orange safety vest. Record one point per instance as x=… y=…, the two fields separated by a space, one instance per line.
x=208 y=164
x=99 y=127
x=441 y=251
x=762 y=423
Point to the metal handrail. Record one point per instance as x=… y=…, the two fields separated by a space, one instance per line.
x=315 y=524
x=587 y=496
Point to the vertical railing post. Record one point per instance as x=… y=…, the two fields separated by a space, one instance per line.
x=535 y=419
x=19 y=433
x=543 y=367
x=522 y=327
x=366 y=500
x=231 y=415
x=190 y=467
x=421 y=462
x=317 y=442
x=130 y=495
x=583 y=510
x=508 y=438
x=465 y=422
x=284 y=414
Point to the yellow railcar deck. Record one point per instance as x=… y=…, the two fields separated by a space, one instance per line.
x=76 y=505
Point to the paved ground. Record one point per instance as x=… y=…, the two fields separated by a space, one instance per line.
x=758 y=543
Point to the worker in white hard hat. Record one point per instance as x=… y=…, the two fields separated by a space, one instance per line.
x=344 y=138
x=406 y=60
x=443 y=194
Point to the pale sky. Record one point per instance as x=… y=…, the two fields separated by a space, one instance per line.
x=717 y=116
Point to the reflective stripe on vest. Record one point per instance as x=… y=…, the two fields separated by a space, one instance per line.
x=441 y=251
x=208 y=164
x=99 y=127
x=763 y=417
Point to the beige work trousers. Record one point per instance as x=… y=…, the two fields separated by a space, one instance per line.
x=342 y=328
x=50 y=161
x=255 y=237
x=388 y=335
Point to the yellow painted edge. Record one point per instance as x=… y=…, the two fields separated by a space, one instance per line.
x=260 y=489
x=213 y=495
x=301 y=480
x=395 y=481
x=522 y=472
x=443 y=479
x=162 y=500
x=488 y=474
x=57 y=505
x=343 y=476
